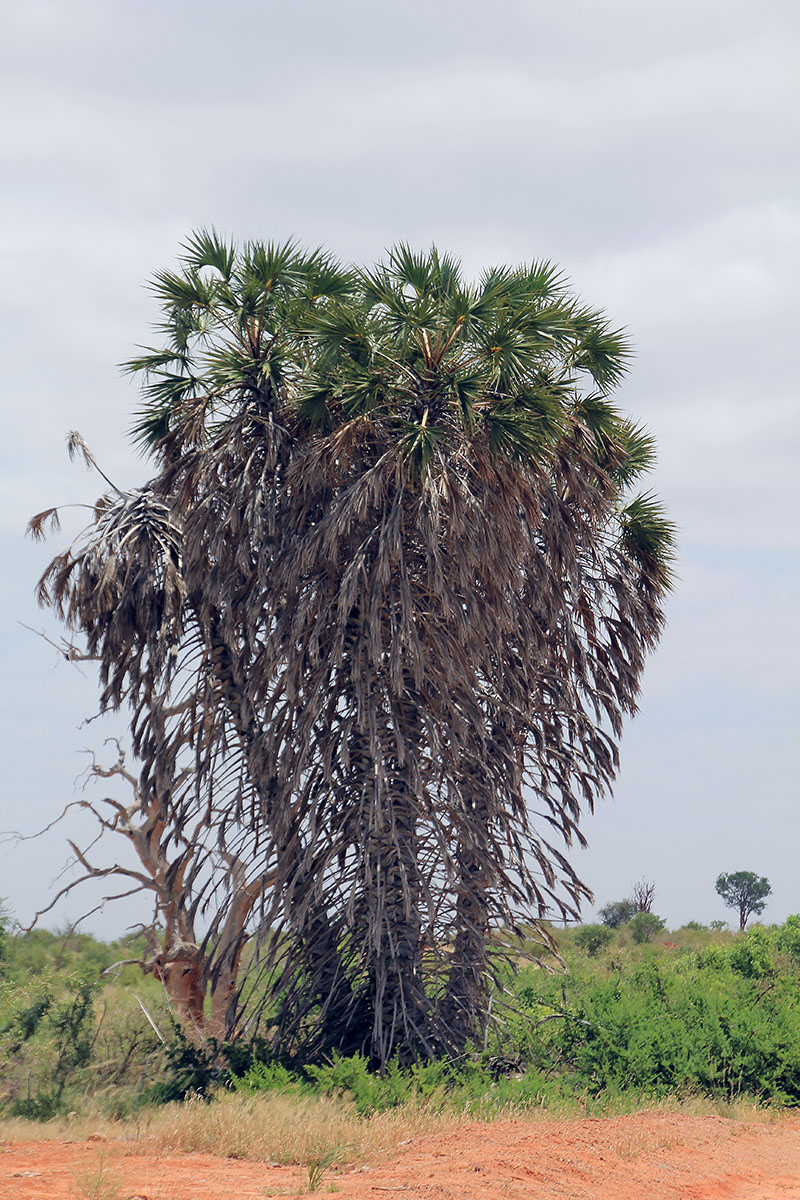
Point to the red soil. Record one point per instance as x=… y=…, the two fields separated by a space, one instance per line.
x=651 y=1156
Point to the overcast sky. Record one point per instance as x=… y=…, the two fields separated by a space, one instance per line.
x=651 y=149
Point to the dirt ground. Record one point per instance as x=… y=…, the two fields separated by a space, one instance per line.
x=650 y=1156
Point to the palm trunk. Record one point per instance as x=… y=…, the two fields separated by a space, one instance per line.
x=399 y=993
x=465 y=1006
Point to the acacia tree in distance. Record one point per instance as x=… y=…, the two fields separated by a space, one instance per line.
x=387 y=590
x=617 y=913
x=744 y=891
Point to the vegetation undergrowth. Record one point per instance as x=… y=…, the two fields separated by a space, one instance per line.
x=705 y=1018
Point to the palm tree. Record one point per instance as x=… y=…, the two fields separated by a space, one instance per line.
x=389 y=591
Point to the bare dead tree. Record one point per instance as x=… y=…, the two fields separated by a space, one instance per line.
x=204 y=898
x=642 y=895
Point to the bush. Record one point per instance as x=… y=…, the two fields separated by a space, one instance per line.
x=370 y=1093
x=5 y=922
x=593 y=938
x=65 y=1035
x=644 y=926
x=788 y=939
x=666 y=1026
x=199 y=1068
x=436 y=1083
x=49 y=1041
x=751 y=955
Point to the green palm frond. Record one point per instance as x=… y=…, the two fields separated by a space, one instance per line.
x=363 y=391
x=205 y=248
x=167 y=386
x=510 y=349
x=324 y=278
x=269 y=266
x=463 y=310
x=445 y=275
x=545 y=410
x=408 y=309
x=230 y=368
x=184 y=292
x=649 y=539
x=182 y=327
x=153 y=360
x=513 y=434
x=418 y=444
x=602 y=351
x=495 y=283
x=637 y=453
x=468 y=391
x=413 y=269
x=624 y=450
x=599 y=415
x=150 y=427
x=344 y=330
x=313 y=405
x=542 y=280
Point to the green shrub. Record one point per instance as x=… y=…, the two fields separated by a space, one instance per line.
x=751 y=954
x=644 y=926
x=714 y=957
x=370 y=1093
x=5 y=924
x=55 y=1059
x=666 y=1026
x=268 y=1077
x=788 y=938
x=593 y=938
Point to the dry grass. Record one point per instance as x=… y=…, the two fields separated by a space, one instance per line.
x=285 y=1129
x=269 y=1128
x=634 y=1145
x=307 y=1130
x=97 y=1180
x=735 y=1109
x=73 y=1128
